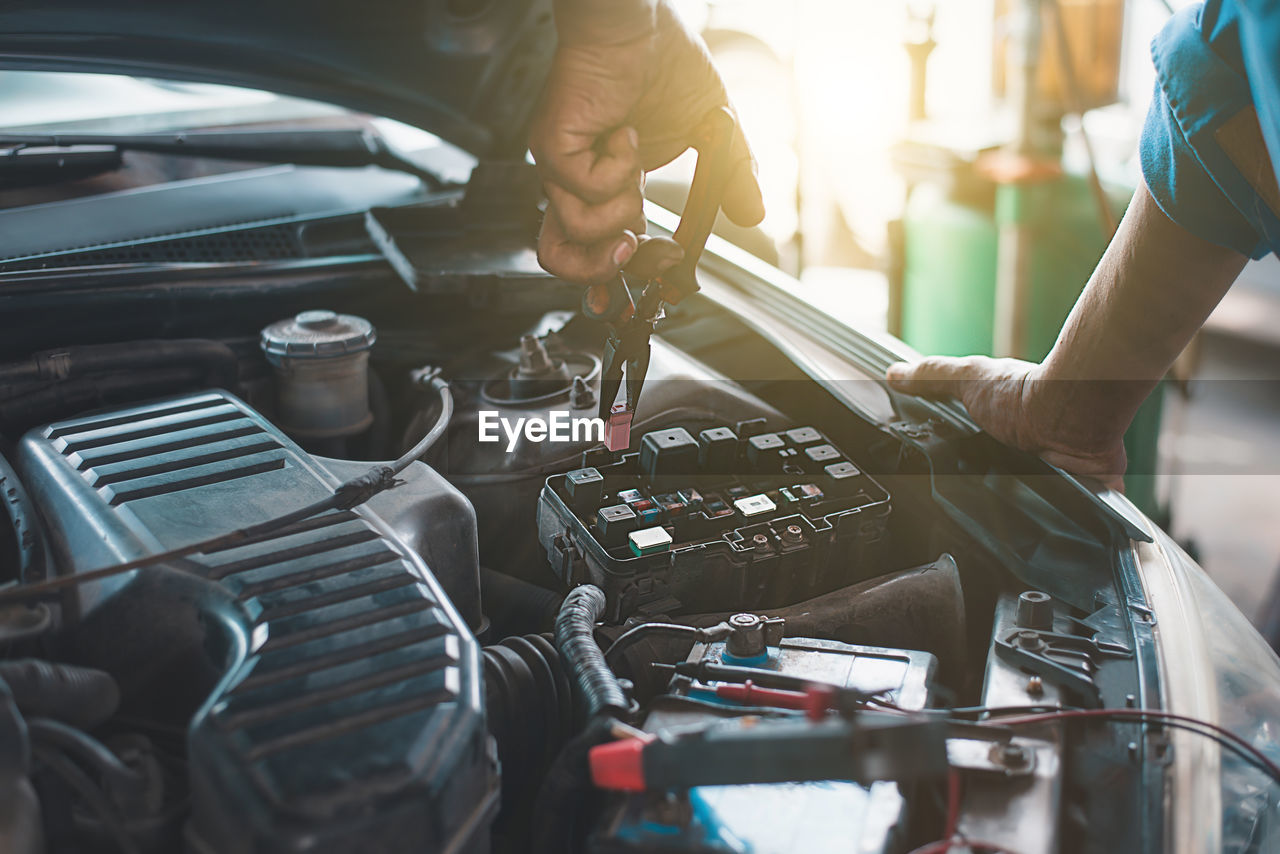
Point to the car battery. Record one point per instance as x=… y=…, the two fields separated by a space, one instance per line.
x=717 y=522
x=821 y=817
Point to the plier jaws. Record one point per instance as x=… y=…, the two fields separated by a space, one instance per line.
x=627 y=350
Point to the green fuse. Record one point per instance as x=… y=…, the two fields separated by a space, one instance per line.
x=649 y=541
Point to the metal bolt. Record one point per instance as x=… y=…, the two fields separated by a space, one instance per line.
x=747 y=640
x=761 y=542
x=793 y=534
x=582 y=396
x=1029 y=640
x=1010 y=755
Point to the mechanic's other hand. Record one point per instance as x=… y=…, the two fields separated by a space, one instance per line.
x=621 y=99
x=1014 y=402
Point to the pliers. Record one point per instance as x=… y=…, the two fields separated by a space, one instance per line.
x=626 y=352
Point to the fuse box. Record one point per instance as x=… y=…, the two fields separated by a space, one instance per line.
x=717 y=521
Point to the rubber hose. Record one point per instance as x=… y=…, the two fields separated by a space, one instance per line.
x=76 y=395
x=62 y=363
x=575 y=640
x=117 y=776
x=515 y=606
x=529 y=711
x=80 y=696
x=28 y=532
x=80 y=782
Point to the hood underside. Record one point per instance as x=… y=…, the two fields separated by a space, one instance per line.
x=467 y=70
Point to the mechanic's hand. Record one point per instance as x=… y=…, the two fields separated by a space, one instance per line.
x=621 y=99
x=1014 y=402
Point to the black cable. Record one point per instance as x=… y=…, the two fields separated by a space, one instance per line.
x=576 y=643
x=1227 y=743
x=566 y=795
x=82 y=785
x=1178 y=725
x=635 y=634
x=1224 y=737
x=95 y=754
x=1210 y=730
x=350 y=494
x=1048 y=714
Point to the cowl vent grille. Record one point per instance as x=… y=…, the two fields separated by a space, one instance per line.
x=262 y=243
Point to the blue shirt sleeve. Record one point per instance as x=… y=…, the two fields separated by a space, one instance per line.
x=1199 y=88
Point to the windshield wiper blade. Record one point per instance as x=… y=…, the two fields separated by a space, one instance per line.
x=36 y=165
x=353 y=147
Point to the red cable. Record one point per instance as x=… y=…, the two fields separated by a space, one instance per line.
x=1141 y=714
x=953 y=805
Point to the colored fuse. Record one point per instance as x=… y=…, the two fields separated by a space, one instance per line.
x=692 y=498
x=787 y=495
x=808 y=491
x=715 y=507
x=649 y=512
x=630 y=496
x=737 y=492
x=649 y=541
x=671 y=504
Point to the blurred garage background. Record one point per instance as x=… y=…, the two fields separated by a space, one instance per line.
x=904 y=147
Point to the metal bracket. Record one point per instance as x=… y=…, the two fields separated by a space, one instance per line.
x=1066 y=660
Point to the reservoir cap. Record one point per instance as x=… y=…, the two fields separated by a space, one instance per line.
x=318 y=335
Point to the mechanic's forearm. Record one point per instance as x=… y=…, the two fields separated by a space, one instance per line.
x=604 y=22
x=1154 y=287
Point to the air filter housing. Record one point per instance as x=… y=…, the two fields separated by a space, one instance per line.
x=339 y=701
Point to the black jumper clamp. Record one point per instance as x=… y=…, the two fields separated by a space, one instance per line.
x=632 y=322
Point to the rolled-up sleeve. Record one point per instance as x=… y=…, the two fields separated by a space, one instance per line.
x=1191 y=151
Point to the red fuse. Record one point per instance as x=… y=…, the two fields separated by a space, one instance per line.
x=617 y=428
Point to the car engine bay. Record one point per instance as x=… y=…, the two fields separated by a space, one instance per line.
x=427 y=668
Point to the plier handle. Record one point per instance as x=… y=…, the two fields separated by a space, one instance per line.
x=627 y=350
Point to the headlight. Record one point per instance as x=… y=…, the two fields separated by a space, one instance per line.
x=1217 y=668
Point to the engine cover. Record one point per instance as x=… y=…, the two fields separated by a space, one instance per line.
x=342 y=707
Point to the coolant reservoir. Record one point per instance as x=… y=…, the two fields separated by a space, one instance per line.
x=321 y=360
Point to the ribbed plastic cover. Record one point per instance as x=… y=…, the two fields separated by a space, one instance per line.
x=349 y=714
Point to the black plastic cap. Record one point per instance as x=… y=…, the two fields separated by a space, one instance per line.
x=671 y=451
x=614 y=523
x=717 y=450
x=585 y=487
x=763 y=452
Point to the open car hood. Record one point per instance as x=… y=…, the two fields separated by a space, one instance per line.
x=467 y=70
